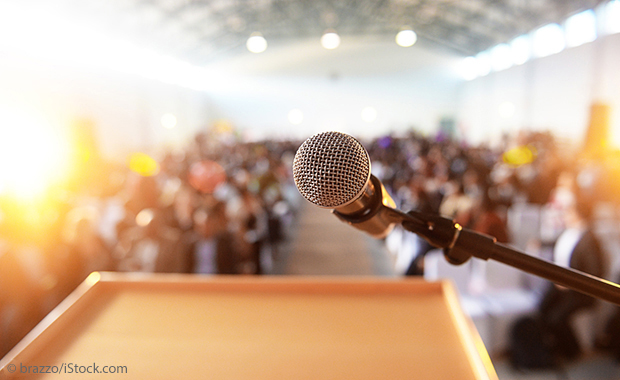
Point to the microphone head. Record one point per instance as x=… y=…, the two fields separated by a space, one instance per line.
x=331 y=169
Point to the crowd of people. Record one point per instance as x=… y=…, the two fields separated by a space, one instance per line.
x=218 y=206
x=477 y=187
x=473 y=185
x=222 y=206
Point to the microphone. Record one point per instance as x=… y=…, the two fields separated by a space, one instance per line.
x=332 y=170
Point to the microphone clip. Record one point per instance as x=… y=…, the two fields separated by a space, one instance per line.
x=459 y=244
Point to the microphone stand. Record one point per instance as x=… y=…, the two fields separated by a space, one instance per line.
x=461 y=244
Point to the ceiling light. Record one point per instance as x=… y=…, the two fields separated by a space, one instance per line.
x=580 y=28
x=330 y=39
x=501 y=57
x=483 y=61
x=295 y=116
x=406 y=38
x=168 y=121
x=469 y=68
x=548 y=40
x=612 y=17
x=369 y=114
x=520 y=50
x=256 y=43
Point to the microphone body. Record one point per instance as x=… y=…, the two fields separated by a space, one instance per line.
x=368 y=213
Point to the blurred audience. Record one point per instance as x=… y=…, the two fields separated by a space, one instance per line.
x=222 y=206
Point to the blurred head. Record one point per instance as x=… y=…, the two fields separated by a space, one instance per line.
x=580 y=211
x=143 y=193
x=80 y=225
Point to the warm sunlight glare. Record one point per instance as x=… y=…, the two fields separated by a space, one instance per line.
x=33 y=155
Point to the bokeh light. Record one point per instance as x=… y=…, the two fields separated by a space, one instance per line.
x=330 y=39
x=406 y=38
x=469 y=68
x=548 y=40
x=521 y=155
x=206 y=175
x=145 y=217
x=295 y=116
x=168 y=121
x=256 y=43
x=143 y=164
x=369 y=114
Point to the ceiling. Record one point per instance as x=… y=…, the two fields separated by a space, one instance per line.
x=206 y=31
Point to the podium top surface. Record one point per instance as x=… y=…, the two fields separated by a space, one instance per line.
x=196 y=327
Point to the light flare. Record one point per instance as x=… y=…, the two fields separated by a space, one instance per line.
x=33 y=154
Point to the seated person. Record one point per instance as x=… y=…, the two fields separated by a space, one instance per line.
x=578 y=248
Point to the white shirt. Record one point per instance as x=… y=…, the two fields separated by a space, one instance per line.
x=565 y=245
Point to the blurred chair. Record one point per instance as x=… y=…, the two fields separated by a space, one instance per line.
x=491 y=293
x=523 y=224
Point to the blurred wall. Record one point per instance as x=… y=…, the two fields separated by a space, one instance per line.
x=401 y=102
x=408 y=87
x=553 y=93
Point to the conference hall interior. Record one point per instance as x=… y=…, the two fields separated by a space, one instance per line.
x=158 y=138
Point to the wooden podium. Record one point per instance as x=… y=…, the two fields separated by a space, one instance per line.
x=198 y=327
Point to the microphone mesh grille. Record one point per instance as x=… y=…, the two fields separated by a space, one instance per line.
x=331 y=169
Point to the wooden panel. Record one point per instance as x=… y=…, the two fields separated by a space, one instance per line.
x=190 y=327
